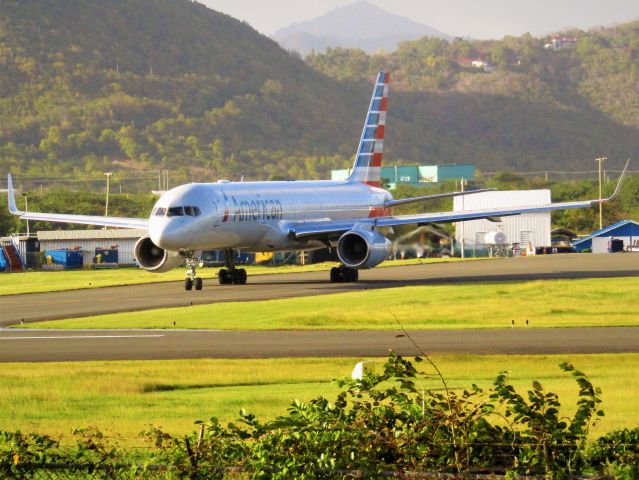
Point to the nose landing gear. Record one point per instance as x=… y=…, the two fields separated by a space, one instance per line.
x=230 y=274
x=191 y=279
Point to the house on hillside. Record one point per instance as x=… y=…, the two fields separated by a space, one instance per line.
x=561 y=42
x=483 y=64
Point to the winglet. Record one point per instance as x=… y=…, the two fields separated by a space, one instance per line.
x=12 y=197
x=619 y=182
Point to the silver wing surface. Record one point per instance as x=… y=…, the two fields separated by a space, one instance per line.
x=119 y=222
x=328 y=229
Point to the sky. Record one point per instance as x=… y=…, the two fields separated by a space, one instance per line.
x=480 y=19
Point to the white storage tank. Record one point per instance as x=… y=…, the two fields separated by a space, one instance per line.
x=496 y=238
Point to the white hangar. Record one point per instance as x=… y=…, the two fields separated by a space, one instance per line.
x=528 y=229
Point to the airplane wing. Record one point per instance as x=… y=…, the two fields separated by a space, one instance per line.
x=327 y=229
x=406 y=201
x=119 y=222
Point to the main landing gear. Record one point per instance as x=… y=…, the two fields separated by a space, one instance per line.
x=230 y=274
x=191 y=279
x=343 y=274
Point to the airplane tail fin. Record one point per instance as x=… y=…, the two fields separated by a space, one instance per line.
x=368 y=160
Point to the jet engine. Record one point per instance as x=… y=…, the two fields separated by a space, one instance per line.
x=153 y=258
x=363 y=248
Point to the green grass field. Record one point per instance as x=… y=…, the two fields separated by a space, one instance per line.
x=124 y=398
x=547 y=303
x=55 y=281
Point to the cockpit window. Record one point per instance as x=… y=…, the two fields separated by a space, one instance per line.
x=175 y=212
x=178 y=211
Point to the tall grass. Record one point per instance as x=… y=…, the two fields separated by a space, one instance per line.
x=124 y=398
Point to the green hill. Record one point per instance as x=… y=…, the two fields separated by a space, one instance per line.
x=88 y=86
x=169 y=83
x=535 y=108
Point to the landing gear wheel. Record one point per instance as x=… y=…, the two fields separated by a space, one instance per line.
x=344 y=275
x=335 y=277
x=239 y=276
x=224 y=277
x=197 y=283
x=188 y=284
x=353 y=275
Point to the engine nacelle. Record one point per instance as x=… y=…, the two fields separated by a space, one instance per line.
x=363 y=248
x=153 y=258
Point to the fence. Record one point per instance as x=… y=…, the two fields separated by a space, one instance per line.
x=71 y=471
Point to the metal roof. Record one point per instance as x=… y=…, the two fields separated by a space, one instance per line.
x=603 y=231
x=109 y=234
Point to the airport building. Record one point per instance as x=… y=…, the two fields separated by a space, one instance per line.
x=528 y=230
x=93 y=243
x=416 y=175
x=618 y=237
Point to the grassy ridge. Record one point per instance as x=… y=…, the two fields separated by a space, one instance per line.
x=124 y=398
x=548 y=303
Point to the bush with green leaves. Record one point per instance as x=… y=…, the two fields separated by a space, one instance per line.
x=399 y=422
x=617 y=453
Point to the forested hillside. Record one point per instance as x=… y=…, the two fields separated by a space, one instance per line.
x=92 y=85
x=88 y=86
x=563 y=103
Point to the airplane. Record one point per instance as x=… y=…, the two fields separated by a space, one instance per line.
x=348 y=215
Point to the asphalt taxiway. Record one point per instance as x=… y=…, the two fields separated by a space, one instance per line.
x=85 y=302
x=57 y=345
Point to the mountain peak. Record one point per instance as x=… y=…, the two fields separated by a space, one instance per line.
x=358 y=25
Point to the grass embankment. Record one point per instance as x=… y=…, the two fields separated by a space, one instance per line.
x=548 y=303
x=55 y=281
x=124 y=398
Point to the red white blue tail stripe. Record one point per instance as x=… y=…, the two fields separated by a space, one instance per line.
x=368 y=161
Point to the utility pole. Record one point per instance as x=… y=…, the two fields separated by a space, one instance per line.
x=463 y=255
x=108 y=185
x=600 y=160
x=26 y=209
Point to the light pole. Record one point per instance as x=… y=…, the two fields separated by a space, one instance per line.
x=600 y=160
x=106 y=207
x=26 y=209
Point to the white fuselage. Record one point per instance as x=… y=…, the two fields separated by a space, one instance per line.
x=255 y=216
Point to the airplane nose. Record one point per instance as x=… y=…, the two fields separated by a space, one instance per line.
x=169 y=235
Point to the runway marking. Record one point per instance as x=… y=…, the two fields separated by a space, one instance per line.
x=76 y=337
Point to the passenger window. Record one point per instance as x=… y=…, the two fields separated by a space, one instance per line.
x=175 y=212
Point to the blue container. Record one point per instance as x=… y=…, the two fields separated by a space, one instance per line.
x=4 y=265
x=106 y=255
x=69 y=259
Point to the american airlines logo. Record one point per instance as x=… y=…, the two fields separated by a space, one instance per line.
x=259 y=209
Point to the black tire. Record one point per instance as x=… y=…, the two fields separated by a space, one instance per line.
x=198 y=283
x=335 y=278
x=243 y=276
x=188 y=284
x=236 y=276
x=224 y=277
x=354 y=275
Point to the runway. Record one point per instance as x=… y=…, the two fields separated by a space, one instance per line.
x=76 y=303
x=52 y=345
